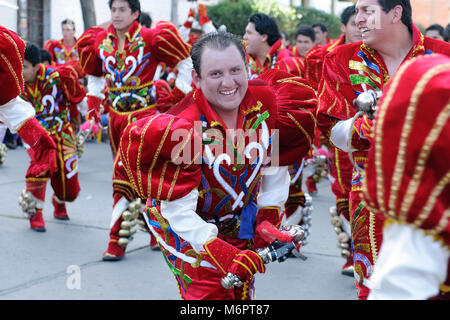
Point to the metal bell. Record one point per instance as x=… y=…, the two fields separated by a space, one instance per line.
x=343 y=237
x=123 y=242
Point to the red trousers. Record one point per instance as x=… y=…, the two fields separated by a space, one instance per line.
x=65 y=180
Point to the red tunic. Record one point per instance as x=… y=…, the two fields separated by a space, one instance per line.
x=129 y=73
x=349 y=70
x=60 y=52
x=55 y=95
x=194 y=150
x=407 y=168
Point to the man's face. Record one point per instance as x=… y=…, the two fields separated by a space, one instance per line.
x=121 y=15
x=434 y=34
x=254 y=40
x=351 y=31
x=321 y=37
x=223 y=79
x=304 y=44
x=68 y=31
x=30 y=71
x=373 y=23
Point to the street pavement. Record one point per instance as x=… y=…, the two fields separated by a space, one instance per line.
x=65 y=263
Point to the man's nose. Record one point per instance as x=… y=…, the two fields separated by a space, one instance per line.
x=228 y=80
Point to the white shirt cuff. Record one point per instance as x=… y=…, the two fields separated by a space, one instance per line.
x=410 y=265
x=15 y=112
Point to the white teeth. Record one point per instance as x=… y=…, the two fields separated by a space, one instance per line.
x=227 y=93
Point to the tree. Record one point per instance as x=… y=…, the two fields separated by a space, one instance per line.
x=89 y=16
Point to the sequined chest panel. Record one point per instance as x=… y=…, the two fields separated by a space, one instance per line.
x=232 y=166
x=128 y=73
x=47 y=99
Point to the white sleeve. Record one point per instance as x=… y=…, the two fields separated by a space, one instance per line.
x=186 y=223
x=95 y=86
x=184 y=77
x=340 y=133
x=410 y=265
x=274 y=187
x=15 y=112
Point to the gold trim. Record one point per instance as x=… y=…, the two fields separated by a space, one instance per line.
x=414 y=184
x=400 y=162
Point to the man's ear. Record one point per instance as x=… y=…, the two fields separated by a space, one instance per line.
x=398 y=12
x=264 y=37
x=196 y=79
x=343 y=28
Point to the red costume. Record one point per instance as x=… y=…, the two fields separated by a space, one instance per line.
x=205 y=202
x=276 y=54
x=18 y=115
x=348 y=71
x=60 y=52
x=407 y=182
x=54 y=96
x=129 y=75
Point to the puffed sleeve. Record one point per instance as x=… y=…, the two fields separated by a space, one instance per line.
x=73 y=91
x=12 y=49
x=296 y=122
x=292 y=65
x=161 y=155
x=87 y=49
x=333 y=89
x=167 y=44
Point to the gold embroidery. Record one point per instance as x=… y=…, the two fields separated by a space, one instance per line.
x=301 y=128
x=407 y=127
x=422 y=159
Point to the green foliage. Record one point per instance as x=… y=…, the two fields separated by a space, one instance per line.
x=235 y=16
x=309 y=16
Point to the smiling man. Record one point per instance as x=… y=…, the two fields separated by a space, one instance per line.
x=207 y=210
x=126 y=55
x=389 y=39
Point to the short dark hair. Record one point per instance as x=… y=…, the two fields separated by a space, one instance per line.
x=447 y=33
x=32 y=53
x=306 y=31
x=436 y=27
x=135 y=5
x=215 y=40
x=322 y=26
x=69 y=22
x=347 y=14
x=45 y=56
x=388 y=5
x=265 y=24
x=145 y=19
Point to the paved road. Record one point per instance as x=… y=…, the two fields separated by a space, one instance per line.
x=64 y=263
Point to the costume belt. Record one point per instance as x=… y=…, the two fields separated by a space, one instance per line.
x=129 y=99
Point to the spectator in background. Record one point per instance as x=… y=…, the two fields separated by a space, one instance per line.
x=435 y=31
x=321 y=31
x=305 y=39
x=145 y=20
